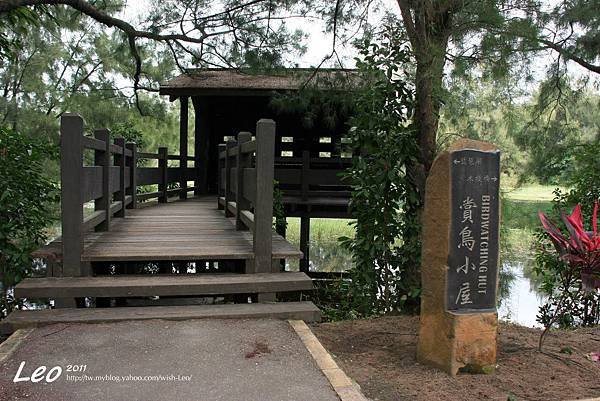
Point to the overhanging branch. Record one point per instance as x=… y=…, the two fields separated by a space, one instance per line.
x=570 y=56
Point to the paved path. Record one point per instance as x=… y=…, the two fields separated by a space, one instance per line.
x=229 y=360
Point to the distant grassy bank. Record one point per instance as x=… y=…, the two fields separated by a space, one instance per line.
x=326 y=253
x=519 y=221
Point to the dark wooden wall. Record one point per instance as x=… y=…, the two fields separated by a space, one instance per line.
x=220 y=118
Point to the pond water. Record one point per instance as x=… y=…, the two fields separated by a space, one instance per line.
x=518 y=297
x=520 y=302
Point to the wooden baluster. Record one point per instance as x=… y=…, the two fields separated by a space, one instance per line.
x=71 y=168
x=132 y=165
x=120 y=161
x=183 y=146
x=220 y=166
x=263 y=206
x=228 y=166
x=102 y=158
x=242 y=161
x=305 y=242
x=163 y=163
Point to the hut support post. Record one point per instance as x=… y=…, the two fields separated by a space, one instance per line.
x=183 y=146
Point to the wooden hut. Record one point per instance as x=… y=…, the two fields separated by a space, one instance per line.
x=308 y=157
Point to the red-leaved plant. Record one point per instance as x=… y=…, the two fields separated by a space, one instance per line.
x=581 y=249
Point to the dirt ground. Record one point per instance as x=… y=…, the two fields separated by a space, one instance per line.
x=380 y=355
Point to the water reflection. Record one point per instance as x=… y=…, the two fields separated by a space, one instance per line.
x=518 y=298
x=521 y=301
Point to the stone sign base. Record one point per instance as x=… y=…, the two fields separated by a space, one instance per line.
x=458 y=332
x=459 y=342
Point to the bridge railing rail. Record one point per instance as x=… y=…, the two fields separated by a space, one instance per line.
x=111 y=179
x=245 y=187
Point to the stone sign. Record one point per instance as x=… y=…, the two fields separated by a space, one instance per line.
x=473 y=259
x=459 y=271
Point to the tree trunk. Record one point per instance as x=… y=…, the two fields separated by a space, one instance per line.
x=428 y=26
x=428 y=85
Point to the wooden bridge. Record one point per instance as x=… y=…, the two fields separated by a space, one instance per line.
x=158 y=254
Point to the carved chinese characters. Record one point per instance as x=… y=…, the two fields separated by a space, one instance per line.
x=473 y=253
x=459 y=264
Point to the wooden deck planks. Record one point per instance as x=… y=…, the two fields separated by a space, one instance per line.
x=19 y=319
x=182 y=230
x=162 y=285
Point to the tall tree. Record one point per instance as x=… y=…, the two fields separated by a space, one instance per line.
x=205 y=33
x=496 y=35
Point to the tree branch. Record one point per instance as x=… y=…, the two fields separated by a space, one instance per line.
x=570 y=56
x=409 y=23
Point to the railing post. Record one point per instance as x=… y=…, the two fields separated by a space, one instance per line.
x=102 y=158
x=263 y=207
x=305 y=242
x=71 y=168
x=132 y=190
x=304 y=219
x=242 y=161
x=163 y=163
x=120 y=161
x=183 y=146
x=228 y=166
x=220 y=166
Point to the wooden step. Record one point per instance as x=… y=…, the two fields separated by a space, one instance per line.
x=162 y=285
x=20 y=319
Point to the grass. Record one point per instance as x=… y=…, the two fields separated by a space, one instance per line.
x=322 y=230
x=519 y=222
x=532 y=193
x=520 y=219
x=326 y=253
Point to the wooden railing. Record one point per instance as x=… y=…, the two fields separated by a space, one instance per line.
x=163 y=175
x=311 y=177
x=245 y=187
x=111 y=182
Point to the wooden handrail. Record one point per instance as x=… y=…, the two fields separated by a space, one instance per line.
x=71 y=162
x=112 y=182
x=245 y=187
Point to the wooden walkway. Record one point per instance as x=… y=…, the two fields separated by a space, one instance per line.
x=130 y=247
x=183 y=230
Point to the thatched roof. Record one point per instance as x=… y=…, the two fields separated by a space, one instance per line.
x=229 y=81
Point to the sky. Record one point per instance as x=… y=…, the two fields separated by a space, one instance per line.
x=319 y=42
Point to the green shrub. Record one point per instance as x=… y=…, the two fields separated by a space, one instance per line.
x=385 y=201
x=568 y=304
x=27 y=197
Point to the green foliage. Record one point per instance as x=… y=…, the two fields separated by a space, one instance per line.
x=560 y=119
x=335 y=299
x=83 y=70
x=568 y=304
x=326 y=100
x=385 y=200
x=27 y=197
x=130 y=132
x=503 y=38
x=484 y=110
x=584 y=178
x=279 y=222
x=12 y=26
x=539 y=137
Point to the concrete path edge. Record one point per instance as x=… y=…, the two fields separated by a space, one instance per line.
x=11 y=343
x=346 y=388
